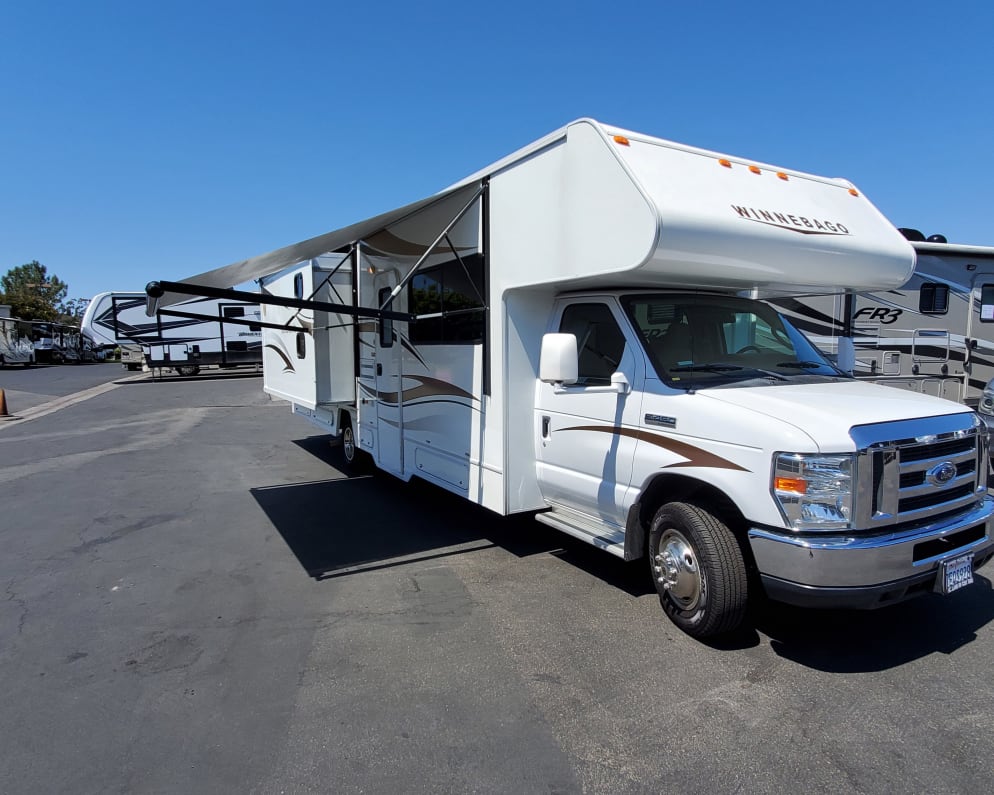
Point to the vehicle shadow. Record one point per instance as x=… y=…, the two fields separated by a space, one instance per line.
x=348 y=524
x=345 y=525
x=210 y=375
x=857 y=641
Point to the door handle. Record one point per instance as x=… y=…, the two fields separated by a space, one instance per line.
x=546 y=428
x=379 y=369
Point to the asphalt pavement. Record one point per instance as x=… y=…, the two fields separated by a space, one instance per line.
x=197 y=599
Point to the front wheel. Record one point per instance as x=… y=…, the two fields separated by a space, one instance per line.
x=698 y=570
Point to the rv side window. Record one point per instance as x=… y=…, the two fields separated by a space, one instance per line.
x=234 y=311
x=987 y=303
x=298 y=286
x=301 y=345
x=599 y=341
x=448 y=301
x=933 y=299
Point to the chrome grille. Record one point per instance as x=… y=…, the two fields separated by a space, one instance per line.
x=916 y=470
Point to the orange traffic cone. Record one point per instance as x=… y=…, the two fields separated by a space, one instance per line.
x=3 y=404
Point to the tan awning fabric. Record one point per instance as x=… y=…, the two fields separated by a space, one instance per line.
x=255 y=267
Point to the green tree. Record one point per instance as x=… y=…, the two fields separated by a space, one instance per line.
x=32 y=293
x=71 y=311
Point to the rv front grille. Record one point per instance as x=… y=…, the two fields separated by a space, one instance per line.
x=909 y=473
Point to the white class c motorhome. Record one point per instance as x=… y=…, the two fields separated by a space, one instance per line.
x=575 y=331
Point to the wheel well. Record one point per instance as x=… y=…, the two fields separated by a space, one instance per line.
x=678 y=488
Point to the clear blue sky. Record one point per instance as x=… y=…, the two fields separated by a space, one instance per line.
x=158 y=140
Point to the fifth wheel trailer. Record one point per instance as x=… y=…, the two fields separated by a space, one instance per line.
x=186 y=337
x=576 y=331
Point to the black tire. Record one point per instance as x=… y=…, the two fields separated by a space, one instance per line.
x=698 y=569
x=356 y=461
x=187 y=369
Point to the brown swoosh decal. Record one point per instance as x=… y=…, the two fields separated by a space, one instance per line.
x=287 y=364
x=430 y=387
x=696 y=457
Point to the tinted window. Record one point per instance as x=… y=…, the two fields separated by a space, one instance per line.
x=933 y=299
x=599 y=341
x=448 y=301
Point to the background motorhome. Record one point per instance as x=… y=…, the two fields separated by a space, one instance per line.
x=934 y=334
x=56 y=343
x=16 y=346
x=576 y=331
x=188 y=336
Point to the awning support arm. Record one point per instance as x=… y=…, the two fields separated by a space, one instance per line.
x=234 y=320
x=444 y=233
x=158 y=288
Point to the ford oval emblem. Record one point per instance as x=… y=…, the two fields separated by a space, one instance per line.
x=941 y=474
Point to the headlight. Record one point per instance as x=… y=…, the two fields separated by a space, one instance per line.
x=814 y=492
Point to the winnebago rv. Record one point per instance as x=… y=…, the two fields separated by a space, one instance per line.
x=184 y=338
x=933 y=334
x=16 y=346
x=575 y=331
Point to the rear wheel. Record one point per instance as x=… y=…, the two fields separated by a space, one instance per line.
x=355 y=459
x=188 y=369
x=698 y=570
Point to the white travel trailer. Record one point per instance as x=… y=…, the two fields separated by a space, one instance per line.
x=933 y=334
x=184 y=338
x=16 y=346
x=575 y=331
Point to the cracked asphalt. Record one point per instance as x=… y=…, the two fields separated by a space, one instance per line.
x=195 y=598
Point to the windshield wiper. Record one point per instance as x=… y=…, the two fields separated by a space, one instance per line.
x=725 y=367
x=800 y=365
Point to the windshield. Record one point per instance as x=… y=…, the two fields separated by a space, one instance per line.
x=696 y=341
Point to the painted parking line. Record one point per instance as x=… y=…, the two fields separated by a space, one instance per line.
x=44 y=409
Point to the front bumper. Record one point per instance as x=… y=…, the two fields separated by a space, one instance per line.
x=836 y=570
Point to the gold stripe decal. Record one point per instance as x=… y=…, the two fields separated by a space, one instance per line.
x=696 y=457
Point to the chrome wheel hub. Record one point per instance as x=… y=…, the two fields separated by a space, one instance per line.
x=675 y=568
x=348 y=444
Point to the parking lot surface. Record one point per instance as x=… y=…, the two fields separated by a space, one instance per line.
x=197 y=599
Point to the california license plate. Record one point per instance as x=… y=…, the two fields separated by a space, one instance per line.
x=954 y=574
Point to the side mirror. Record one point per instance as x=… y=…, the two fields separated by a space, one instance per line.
x=558 y=362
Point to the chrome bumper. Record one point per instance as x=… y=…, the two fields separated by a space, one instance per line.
x=842 y=566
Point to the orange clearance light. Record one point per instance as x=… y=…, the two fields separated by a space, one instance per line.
x=853 y=192
x=755 y=169
x=795 y=485
x=782 y=176
x=620 y=139
x=725 y=163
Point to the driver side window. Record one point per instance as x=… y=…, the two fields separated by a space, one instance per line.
x=600 y=344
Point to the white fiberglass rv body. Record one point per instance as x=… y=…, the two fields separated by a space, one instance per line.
x=575 y=331
x=933 y=334
x=16 y=346
x=186 y=337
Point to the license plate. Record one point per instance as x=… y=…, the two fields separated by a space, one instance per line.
x=954 y=574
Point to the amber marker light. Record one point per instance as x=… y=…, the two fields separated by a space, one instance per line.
x=620 y=139
x=755 y=169
x=725 y=163
x=793 y=485
x=853 y=192
x=782 y=176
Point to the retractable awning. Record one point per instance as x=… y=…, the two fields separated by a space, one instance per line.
x=255 y=267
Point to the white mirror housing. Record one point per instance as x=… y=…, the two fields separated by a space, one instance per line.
x=558 y=363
